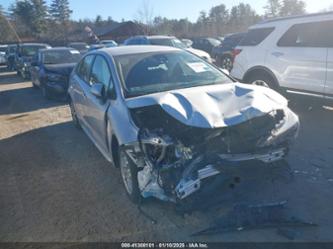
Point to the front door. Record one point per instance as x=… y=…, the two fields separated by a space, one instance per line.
x=95 y=107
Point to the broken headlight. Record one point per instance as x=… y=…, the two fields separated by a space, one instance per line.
x=161 y=150
x=285 y=129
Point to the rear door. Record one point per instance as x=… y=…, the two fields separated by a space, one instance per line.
x=95 y=107
x=300 y=57
x=78 y=83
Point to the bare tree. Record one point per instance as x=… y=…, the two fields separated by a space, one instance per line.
x=145 y=15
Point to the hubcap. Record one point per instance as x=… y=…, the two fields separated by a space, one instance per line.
x=126 y=173
x=260 y=83
x=227 y=63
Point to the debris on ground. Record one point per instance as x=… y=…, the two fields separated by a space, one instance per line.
x=250 y=217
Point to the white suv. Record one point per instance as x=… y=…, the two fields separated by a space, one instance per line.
x=291 y=53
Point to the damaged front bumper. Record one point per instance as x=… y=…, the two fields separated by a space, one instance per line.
x=171 y=170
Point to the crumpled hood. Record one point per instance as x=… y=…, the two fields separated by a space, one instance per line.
x=214 y=106
x=63 y=69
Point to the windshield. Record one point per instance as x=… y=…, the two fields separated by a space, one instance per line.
x=30 y=50
x=168 y=42
x=61 y=56
x=157 y=72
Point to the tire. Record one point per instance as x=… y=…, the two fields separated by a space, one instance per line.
x=129 y=176
x=45 y=92
x=263 y=79
x=76 y=121
x=226 y=63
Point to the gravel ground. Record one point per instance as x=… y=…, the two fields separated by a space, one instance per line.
x=55 y=186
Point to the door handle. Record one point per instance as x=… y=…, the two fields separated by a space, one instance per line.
x=277 y=54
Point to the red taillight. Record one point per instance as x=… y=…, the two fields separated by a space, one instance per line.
x=235 y=52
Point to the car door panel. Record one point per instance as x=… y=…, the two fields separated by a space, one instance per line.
x=95 y=107
x=78 y=84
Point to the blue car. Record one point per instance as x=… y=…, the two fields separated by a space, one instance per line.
x=51 y=68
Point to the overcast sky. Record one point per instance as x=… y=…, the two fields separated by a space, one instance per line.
x=128 y=9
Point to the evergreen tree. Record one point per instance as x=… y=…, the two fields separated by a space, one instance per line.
x=60 y=11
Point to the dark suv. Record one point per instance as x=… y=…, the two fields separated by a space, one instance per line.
x=223 y=53
x=206 y=44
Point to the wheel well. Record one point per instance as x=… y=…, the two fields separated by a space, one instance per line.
x=115 y=150
x=260 y=71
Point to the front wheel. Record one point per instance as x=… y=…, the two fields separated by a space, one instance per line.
x=263 y=80
x=129 y=175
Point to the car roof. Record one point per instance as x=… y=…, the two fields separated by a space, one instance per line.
x=153 y=37
x=73 y=43
x=57 y=49
x=296 y=18
x=33 y=44
x=137 y=49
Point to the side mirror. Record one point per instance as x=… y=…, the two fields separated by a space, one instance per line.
x=97 y=90
x=225 y=71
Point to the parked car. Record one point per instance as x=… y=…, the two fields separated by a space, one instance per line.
x=223 y=54
x=291 y=53
x=171 y=41
x=171 y=121
x=206 y=44
x=24 y=55
x=11 y=56
x=95 y=47
x=82 y=47
x=51 y=69
x=109 y=43
x=3 y=59
x=188 y=43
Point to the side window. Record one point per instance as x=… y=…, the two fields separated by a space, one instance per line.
x=255 y=36
x=315 y=34
x=100 y=72
x=83 y=69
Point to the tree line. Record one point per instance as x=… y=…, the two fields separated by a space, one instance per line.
x=35 y=20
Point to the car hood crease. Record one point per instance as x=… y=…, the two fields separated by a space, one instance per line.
x=214 y=106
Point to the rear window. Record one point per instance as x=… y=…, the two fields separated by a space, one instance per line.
x=315 y=34
x=255 y=36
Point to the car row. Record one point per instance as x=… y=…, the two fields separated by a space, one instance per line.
x=171 y=41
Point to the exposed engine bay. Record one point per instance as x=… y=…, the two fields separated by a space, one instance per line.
x=175 y=159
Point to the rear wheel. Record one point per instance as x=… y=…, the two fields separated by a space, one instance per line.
x=129 y=175
x=226 y=63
